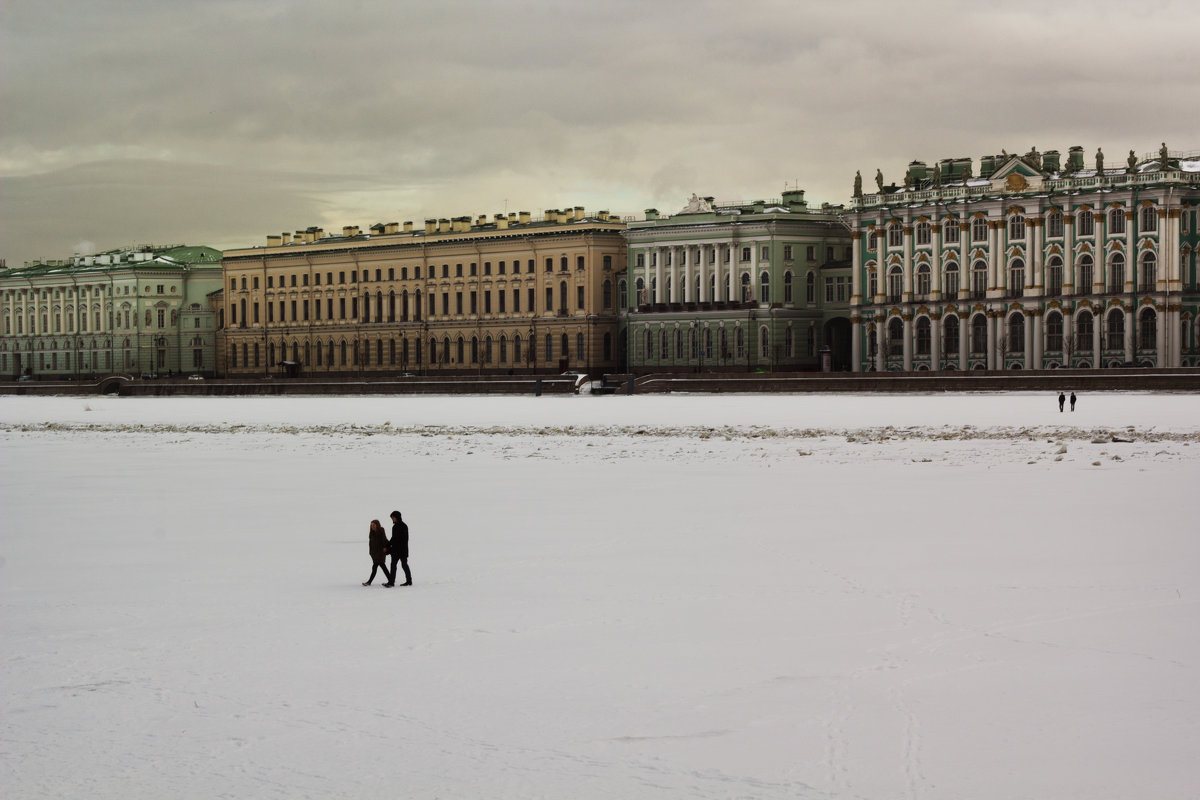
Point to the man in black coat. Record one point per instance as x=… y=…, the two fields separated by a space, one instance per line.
x=398 y=547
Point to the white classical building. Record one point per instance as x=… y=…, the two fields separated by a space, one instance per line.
x=1034 y=264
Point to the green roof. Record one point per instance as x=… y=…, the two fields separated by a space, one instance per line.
x=174 y=258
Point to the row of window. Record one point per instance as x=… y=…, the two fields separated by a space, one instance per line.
x=836 y=288
x=155 y=318
x=1112 y=336
x=744 y=253
x=431 y=273
x=700 y=344
x=403 y=353
x=923 y=231
x=70 y=294
x=1015 y=283
x=403 y=307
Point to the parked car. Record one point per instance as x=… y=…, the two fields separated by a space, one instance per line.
x=195 y=377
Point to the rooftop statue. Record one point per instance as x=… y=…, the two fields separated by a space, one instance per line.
x=1099 y=161
x=879 y=180
x=1131 y=161
x=1164 y=162
x=858 y=184
x=697 y=205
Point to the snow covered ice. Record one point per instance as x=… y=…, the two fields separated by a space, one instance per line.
x=867 y=596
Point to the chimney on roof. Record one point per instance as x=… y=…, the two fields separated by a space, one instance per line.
x=578 y=213
x=285 y=238
x=501 y=222
x=408 y=226
x=523 y=218
x=274 y=241
x=431 y=226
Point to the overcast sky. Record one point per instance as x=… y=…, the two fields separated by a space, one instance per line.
x=218 y=122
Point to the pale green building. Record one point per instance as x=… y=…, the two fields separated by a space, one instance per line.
x=739 y=286
x=140 y=311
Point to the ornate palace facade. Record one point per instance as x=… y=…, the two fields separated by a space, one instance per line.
x=515 y=294
x=738 y=286
x=1034 y=264
x=142 y=310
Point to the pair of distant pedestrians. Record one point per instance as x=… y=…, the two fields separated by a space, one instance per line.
x=1062 y=401
x=381 y=548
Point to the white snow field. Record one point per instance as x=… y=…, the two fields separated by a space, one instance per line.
x=923 y=597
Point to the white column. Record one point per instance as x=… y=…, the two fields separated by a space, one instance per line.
x=1130 y=321
x=1100 y=265
x=1033 y=340
x=995 y=258
x=935 y=343
x=935 y=264
x=754 y=272
x=964 y=266
x=856 y=331
x=908 y=341
x=962 y=341
x=1033 y=274
x=881 y=343
x=1161 y=338
x=1068 y=254
x=856 y=268
x=1097 y=332
x=906 y=291
x=1131 y=254
x=1068 y=317
x=992 y=322
x=702 y=277
x=659 y=257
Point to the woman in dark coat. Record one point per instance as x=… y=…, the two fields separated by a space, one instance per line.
x=377 y=545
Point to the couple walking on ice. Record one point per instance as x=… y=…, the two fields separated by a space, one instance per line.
x=381 y=548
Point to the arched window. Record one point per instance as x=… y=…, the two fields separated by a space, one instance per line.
x=678 y=343
x=787 y=286
x=950 y=339
x=639 y=288
x=1016 y=332
x=1147 y=329
x=923 y=281
x=1054 y=332
x=895 y=235
x=503 y=349
x=1016 y=277
x=1116 y=220
x=950 y=231
x=764 y=342
x=1116 y=273
x=979 y=229
x=1087 y=274
x=1054 y=275
x=950 y=280
x=895 y=332
x=1148 y=273
x=649 y=344
x=1016 y=227
x=1054 y=224
x=605 y=295
x=979 y=275
x=923 y=337
x=517 y=344
x=460 y=350
x=764 y=288
x=1115 y=330
x=810 y=289
x=746 y=297
x=895 y=284
x=1149 y=219
x=1083 y=330
x=979 y=334
x=923 y=233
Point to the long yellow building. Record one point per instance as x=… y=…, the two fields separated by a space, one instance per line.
x=514 y=294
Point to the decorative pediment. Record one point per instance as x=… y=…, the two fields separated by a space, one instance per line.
x=1015 y=175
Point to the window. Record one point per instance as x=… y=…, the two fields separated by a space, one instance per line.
x=1116 y=330
x=950 y=340
x=1116 y=273
x=979 y=279
x=1087 y=223
x=1016 y=333
x=895 y=235
x=895 y=284
x=1086 y=271
x=950 y=280
x=950 y=231
x=1116 y=221
x=923 y=279
x=1054 y=275
x=579 y=297
x=1016 y=277
x=1083 y=330
x=766 y=254
x=764 y=288
x=923 y=336
x=1148 y=273
x=1054 y=332
x=810 y=289
x=1147 y=329
x=810 y=252
x=829 y=290
x=1016 y=227
x=979 y=334
x=787 y=252
x=923 y=233
x=1054 y=224
x=1149 y=219
x=745 y=254
x=787 y=286
x=979 y=230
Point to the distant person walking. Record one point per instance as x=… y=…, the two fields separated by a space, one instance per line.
x=377 y=545
x=398 y=547
x=1072 y=401
x=1062 y=400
